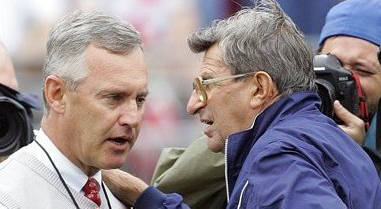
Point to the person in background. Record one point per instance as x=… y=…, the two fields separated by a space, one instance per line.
x=7 y=71
x=7 y=76
x=352 y=33
x=95 y=85
x=15 y=109
x=256 y=92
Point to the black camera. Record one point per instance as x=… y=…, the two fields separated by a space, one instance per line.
x=335 y=83
x=15 y=119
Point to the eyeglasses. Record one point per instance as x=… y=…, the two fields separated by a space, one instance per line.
x=199 y=84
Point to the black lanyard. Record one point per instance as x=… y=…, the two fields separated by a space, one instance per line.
x=64 y=183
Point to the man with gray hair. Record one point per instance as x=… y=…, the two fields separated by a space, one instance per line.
x=256 y=93
x=95 y=84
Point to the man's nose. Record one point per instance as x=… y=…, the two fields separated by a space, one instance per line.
x=194 y=103
x=130 y=115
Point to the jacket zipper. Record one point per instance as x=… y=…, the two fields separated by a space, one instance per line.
x=226 y=170
x=226 y=162
x=240 y=196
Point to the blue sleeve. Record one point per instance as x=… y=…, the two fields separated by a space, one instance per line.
x=152 y=198
x=283 y=178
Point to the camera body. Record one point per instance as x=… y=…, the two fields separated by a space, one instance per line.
x=335 y=83
x=15 y=119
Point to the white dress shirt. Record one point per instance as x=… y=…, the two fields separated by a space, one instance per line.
x=73 y=176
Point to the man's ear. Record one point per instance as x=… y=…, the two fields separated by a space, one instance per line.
x=263 y=89
x=54 y=90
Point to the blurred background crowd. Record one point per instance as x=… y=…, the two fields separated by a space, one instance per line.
x=164 y=24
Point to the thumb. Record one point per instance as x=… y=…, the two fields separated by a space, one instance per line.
x=343 y=114
x=353 y=126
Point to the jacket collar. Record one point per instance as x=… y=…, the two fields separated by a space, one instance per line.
x=239 y=144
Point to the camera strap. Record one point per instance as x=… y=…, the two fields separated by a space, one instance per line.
x=363 y=108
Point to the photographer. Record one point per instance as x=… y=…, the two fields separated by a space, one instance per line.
x=15 y=109
x=352 y=33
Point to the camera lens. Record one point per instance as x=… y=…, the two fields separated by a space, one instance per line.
x=4 y=126
x=15 y=130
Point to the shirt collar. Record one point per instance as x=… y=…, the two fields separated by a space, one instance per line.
x=72 y=175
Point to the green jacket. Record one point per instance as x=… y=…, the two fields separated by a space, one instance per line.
x=194 y=172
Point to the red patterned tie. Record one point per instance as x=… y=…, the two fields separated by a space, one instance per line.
x=91 y=190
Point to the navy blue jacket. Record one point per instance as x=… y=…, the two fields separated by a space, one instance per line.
x=293 y=157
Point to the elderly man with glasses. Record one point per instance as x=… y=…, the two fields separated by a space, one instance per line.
x=256 y=92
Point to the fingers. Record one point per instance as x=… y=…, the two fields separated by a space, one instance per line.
x=344 y=115
x=124 y=185
x=353 y=126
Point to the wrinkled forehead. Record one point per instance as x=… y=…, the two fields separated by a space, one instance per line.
x=212 y=62
x=210 y=66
